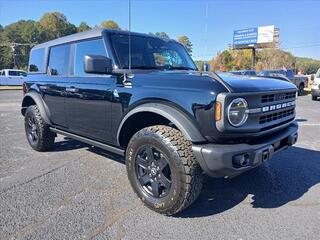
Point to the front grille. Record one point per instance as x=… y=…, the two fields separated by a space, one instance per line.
x=276 y=116
x=278 y=97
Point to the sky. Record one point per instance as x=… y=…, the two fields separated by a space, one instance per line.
x=208 y=24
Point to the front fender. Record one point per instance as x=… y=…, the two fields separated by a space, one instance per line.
x=179 y=119
x=32 y=98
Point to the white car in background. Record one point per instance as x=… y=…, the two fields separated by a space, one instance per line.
x=12 y=77
x=315 y=88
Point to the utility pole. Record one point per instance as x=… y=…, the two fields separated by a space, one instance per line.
x=253 y=58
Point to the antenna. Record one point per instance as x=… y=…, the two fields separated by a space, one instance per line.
x=129 y=23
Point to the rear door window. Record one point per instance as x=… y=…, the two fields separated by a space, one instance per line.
x=59 y=60
x=37 y=61
x=89 y=47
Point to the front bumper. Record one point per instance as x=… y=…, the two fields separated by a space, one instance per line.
x=218 y=160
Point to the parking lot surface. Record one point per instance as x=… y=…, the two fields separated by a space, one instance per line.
x=81 y=192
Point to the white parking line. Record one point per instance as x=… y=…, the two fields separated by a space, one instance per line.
x=309 y=124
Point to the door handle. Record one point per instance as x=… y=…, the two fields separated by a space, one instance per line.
x=72 y=89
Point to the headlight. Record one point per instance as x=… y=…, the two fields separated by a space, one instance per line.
x=237 y=112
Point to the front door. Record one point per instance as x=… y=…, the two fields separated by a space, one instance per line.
x=89 y=96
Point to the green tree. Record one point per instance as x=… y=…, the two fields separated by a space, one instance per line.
x=223 y=61
x=110 y=24
x=199 y=64
x=185 y=41
x=5 y=52
x=54 y=25
x=83 y=27
x=163 y=35
x=1 y=28
x=19 y=37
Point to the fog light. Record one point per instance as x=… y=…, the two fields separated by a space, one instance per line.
x=241 y=160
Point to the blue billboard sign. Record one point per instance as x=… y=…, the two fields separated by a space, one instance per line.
x=245 y=37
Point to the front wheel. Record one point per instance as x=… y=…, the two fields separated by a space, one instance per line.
x=162 y=169
x=314 y=98
x=37 y=131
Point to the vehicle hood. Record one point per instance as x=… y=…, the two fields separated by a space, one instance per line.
x=254 y=84
x=205 y=81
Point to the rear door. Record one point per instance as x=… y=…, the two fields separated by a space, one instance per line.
x=15 y=77
x=54 y=86
x=89 y=96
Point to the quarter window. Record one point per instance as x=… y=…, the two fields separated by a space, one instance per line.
x=36 y=61
x=91 y=47
x=59 y=60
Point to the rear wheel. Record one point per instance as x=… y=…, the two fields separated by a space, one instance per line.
x=162 y=169
x=301 y=89
x=314 y=98
x=37 y=131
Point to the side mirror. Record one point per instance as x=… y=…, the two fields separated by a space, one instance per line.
x=97 y=64
x=206 y=67
x=312 y=77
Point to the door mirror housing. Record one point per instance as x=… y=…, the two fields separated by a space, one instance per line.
x=97 y=64
x=206 y=67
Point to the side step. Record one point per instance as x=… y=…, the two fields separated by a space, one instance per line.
x=89 y=141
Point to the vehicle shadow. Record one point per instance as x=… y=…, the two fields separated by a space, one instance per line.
x=68 y=144
x=285 y=178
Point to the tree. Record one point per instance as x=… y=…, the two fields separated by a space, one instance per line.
x=21 y=32
x=199 y=64
x=5 y=52
x=83 y=27
x=185 y=41
x=110 y=24
x=1 y=28
x=54 y=25
x=163 y=35
x=223 y=61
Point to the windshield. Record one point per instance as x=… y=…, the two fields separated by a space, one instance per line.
x=150 y=53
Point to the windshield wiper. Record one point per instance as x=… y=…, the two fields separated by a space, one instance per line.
x=180 y=68
x=144 y=67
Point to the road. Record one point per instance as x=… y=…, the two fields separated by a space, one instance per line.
x=80 y=192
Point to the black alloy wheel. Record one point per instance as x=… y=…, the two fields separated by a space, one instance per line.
x=153 y=171
x=32 y=130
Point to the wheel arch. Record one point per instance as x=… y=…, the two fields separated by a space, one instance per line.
x=165 y=113
x=33 y=98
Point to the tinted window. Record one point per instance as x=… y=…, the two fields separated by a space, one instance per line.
x=13 y=73
x=92 y=47
x=150 y=52
x=59 y=60
x=36 y=62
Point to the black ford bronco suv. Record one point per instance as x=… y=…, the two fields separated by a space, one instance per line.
x=170 y=121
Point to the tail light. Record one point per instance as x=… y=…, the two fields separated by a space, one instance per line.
x=24 y=88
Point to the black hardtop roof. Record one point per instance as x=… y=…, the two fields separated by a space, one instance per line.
x=88 y=34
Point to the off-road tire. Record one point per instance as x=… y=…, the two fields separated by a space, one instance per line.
x=301 y=90
x=185 y=171
x=45 y=140
x=314 y=98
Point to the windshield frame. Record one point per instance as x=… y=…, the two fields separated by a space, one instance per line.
x=115 y=59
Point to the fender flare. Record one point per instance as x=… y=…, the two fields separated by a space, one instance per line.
x=179 y=119
x=44 y=111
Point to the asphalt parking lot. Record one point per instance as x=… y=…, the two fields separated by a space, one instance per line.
x=80 y=192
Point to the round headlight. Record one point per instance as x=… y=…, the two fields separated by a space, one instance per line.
x=237 y=112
